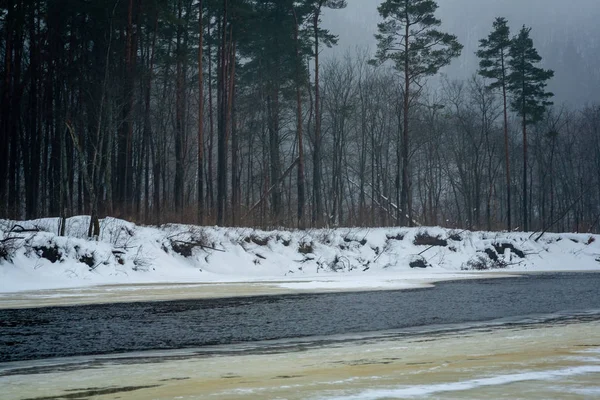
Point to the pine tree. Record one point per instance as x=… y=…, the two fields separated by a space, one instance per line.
x=409 y=38
x=527 y=83
x=494 y=57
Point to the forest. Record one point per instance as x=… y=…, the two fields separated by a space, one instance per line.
x=221 y=112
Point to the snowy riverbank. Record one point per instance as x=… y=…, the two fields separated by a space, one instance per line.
x=35 y=258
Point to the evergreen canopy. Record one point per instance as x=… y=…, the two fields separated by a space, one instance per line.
x=526 y=81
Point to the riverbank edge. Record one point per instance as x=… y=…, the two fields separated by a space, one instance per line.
x=128 y=262
x=175 y=291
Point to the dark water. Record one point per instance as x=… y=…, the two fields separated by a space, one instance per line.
x=114 y=328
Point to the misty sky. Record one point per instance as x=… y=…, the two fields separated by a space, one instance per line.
x=566 y=33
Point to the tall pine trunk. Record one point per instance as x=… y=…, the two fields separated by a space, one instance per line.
x=507 y=151
x=149 y=139
x=179 y=113
x=200 y=117
x=222 y=122
x=5 y=114
x=210 y=199
x=405 y=205
x=230 y=132
x=301 y=199
x=525 y=186
x=317 y=203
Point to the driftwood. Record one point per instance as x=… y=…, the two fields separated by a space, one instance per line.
x=434 y=245
x=8 y=239
x=196 y=244
x=21 y=229
x=17 y=229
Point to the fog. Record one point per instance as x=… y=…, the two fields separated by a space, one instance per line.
x=566 y=35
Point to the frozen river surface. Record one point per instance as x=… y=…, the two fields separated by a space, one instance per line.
x=535 y=337
x=543 y=360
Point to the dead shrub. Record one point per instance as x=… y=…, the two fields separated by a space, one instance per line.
x=183 y=248
x=362 y=241
x=305 y=248
x=50 y=253
x=11 y=240
x=259 y=240
x=339 y=263
x=87 y=259
x=193 y=238
x=398 y=237
x=491 y=253
x=425 y=239
x=419 y=262
x=501 y=247
x=141 y=262
x=483 y=263
x=455 y=236
x=286 y=241
x=8 y=247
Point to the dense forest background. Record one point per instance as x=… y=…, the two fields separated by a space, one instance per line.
x=222 y=112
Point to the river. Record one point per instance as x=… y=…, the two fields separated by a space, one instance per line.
x=537 y=336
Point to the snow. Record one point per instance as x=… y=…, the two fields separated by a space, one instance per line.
x=427 y=390
x=311 y=260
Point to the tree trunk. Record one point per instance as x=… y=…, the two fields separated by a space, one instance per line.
x=405 y=206
x=32 y=150
x=525 y=186
x=179 y=112
x=318 y=205
x=232 y=132
x=275 y=164
x=200 y=118
x=507 y=151
x=210 y=174
x=222 y=123
x=299 y=133
x=5 y=113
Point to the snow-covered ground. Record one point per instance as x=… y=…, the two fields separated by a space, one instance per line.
x=314 y=260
